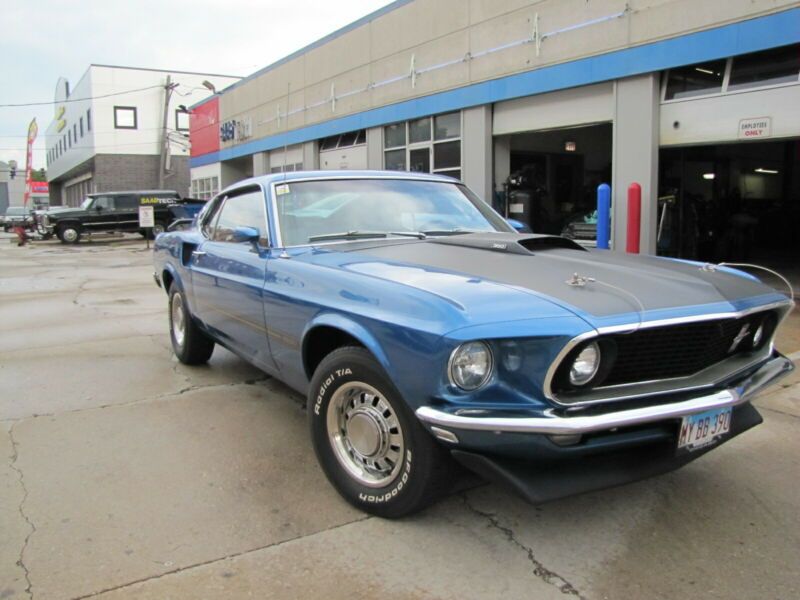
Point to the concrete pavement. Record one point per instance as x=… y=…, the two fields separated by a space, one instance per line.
x=128 y=475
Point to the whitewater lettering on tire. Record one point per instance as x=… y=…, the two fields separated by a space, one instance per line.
x=326 y=384
x=401 y=482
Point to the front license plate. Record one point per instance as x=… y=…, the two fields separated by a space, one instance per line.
x=704 y=428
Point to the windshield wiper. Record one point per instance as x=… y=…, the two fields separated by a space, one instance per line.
x=454 y=231
x=356 y=235
x=346 y=235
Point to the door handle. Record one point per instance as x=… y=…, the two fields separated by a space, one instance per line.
x=198 y=253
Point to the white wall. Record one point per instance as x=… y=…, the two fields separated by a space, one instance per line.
x=82 y=149
x=716 y=118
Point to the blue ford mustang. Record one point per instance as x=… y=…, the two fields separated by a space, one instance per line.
x=423 y=328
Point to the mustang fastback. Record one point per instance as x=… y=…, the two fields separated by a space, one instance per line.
x=423 y=330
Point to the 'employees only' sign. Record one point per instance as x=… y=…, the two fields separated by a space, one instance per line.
x=752 y=129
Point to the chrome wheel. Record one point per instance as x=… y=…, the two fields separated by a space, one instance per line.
x=70 y=235
x=157 y=229
x=365 y=434
x=178 y=320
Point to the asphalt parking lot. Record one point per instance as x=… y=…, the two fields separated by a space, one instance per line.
x=128 y=475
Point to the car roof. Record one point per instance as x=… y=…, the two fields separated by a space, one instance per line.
x=266 y=180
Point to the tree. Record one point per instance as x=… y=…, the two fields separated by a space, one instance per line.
x=38 y=175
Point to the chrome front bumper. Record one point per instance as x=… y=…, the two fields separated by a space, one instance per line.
x=552 y=424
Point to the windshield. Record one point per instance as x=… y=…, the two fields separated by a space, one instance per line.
x=86 y=203
x=311 y=211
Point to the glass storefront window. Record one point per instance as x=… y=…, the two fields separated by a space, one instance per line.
x=771 y=67
x=446 y=155
x=447 y=126
x=434 y=145
x=695 y=80
x=419 y=130
x=394 y=135
x=395 y=160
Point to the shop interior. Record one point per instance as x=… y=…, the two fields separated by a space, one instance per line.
x=554 y=176
x=732 y=202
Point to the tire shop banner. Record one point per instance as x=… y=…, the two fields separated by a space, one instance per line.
x=33 y=130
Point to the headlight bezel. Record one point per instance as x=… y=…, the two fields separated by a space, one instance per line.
x=451 y=364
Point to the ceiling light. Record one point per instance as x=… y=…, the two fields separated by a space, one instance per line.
x=708 y=175
x=706 y=71
x=767 y=171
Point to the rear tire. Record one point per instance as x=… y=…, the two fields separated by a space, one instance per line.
x=368 y=441
x=190 y=344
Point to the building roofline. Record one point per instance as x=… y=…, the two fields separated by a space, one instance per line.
x=163 y=70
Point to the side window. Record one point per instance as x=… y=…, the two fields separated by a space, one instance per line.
x=127 y=203
x=208 y=216
x=244 y=210
x=104 y=202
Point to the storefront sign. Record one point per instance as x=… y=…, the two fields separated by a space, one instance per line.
x=236 y=129
x=751 y=129
x=40 y=187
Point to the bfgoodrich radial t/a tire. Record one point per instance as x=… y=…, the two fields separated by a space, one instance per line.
x=368 y=442
x=190 y=344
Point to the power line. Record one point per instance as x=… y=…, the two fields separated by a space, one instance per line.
x=23 y=104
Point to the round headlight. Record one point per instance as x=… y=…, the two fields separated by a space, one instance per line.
x=585 y=365
x=471 y=365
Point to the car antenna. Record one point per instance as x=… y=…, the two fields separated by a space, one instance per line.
x=286 y=129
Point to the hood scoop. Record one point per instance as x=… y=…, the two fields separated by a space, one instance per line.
x=510 y=243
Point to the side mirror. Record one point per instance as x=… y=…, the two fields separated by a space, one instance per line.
x=519 y=226
x=98 y=208
x=245 y=234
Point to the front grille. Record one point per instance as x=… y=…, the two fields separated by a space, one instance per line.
x=671 y=351
x=674 y=351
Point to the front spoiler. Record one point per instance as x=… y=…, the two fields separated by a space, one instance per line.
x=539 y=482
x=551 y=423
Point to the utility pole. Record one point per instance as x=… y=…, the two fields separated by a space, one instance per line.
x=162 y=166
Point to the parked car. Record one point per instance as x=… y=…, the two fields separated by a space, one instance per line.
x=16 y=216
x=422 y=328
x=116 y=212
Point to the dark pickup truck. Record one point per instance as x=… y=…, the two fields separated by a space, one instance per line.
x=116 y=212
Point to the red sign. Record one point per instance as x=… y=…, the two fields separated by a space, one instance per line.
x=204 y=127
x=33 y=129
x=40 y=187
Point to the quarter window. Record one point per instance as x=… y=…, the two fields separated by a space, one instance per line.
x=127 y=202
x=244 y=210
x=125 y=117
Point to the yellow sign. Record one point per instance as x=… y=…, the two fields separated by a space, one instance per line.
x=60 y=112
x=60 y=125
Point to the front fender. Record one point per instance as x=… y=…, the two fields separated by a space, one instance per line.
x=353 y=328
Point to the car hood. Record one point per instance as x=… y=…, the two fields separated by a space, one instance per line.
x=64 y=211
x=604 y=288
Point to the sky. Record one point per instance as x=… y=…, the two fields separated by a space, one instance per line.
x=42 y=40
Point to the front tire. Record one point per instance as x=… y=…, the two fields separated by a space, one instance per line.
x=69 y=234
x=190 y=344
x=367 y=440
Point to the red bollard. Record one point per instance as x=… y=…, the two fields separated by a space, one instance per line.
x=634 y=217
